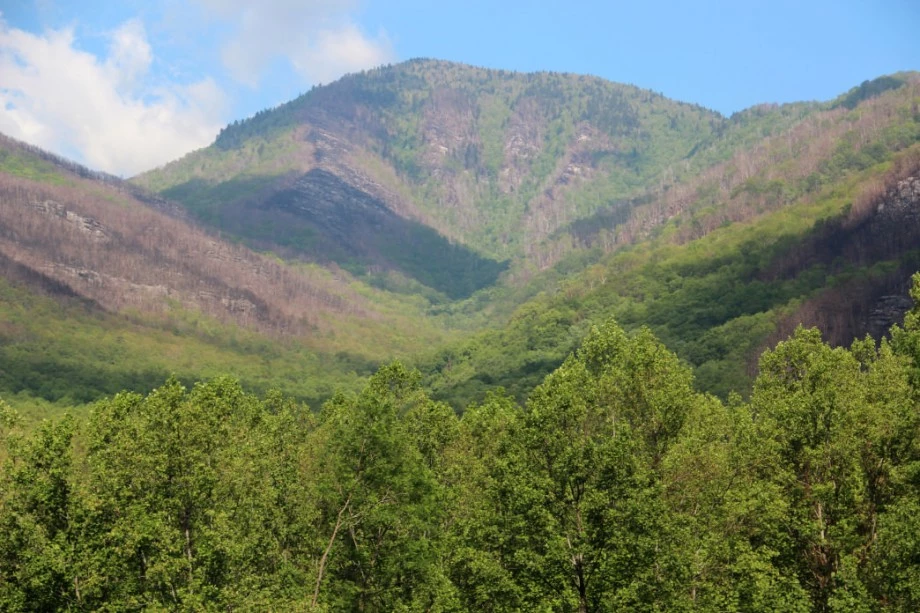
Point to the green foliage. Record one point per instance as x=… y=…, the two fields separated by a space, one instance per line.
x=30 y=167
x=36 y=509
x=843 y=425
x=66 y=353
x=869 y=89
x=601 y=480
x=393 y=109
x=715 y=300
x=328 y=221
x=586 y=500
x=378 y=499
x=622 y=246
x=617 y=487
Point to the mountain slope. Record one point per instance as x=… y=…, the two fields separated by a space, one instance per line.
x=565 y=176
x=553 y=201
x=799 y=228
x=129 y=290
x=493 y=161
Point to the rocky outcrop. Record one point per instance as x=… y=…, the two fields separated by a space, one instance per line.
x=95 y=230
x=888 y=311
x=336 y=156
x=901 y=204
x=897 y=224
x=523 y=143
x=448 y=131
x=884 y=227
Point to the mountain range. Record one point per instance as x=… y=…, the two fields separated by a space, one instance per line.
x=475 y=223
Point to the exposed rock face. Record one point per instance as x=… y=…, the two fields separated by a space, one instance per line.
x=897 y=221
x=145 y=260
x=884 y=228
x=449 y=128
x=90 y=226
x=336 y=207
x=524 y=140
x=888 y=311
x=335 y=155
x=345 y=224
x=553 y=207
x=901 y=205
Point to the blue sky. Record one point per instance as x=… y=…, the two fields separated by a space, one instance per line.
x=127 y=86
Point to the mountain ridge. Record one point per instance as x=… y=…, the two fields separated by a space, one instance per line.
x=477 y=167
x=389 y=216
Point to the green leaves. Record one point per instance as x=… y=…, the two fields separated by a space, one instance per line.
x=616 y=487
x=568 y=509
x=844 y=425
x=378 y=497
x=37 y=509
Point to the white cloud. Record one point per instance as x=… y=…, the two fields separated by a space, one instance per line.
x=116 y=111
x=336 y=52
x=100 y=110
x=317 y=37
x=130 y=55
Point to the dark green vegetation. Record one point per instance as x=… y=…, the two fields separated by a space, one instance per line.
x=349 y=227
x=616 y=487
x=869 y=89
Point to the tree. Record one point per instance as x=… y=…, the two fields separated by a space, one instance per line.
x=483 y=518
x=572 y=491
x=196 y=499
x=38 y=518
x=843 y=424
x=378 y=514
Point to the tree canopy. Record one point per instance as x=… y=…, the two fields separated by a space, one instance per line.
x=615 y=486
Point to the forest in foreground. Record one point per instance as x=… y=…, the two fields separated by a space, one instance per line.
x=616 y=486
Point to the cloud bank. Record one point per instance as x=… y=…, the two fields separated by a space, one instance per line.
x=317 y=37
x=102 y=111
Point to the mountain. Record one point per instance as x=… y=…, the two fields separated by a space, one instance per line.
x=444 y=172
x=476 y=222
x=565 y=199
x=611 y=288
x=106 y=286
x=814 y=225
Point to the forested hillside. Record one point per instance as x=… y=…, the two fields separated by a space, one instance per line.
x=475 y=223
x=570 y=199
x=105 y=287
x=616 y=486
x=815 y=225
x=493 y=161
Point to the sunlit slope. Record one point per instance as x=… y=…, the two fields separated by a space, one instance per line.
x=816 y=224
x=453 y=172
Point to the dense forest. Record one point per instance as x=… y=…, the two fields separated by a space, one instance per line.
x=616 y=486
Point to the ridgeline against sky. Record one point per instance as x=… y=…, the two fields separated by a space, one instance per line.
x=166 y=76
